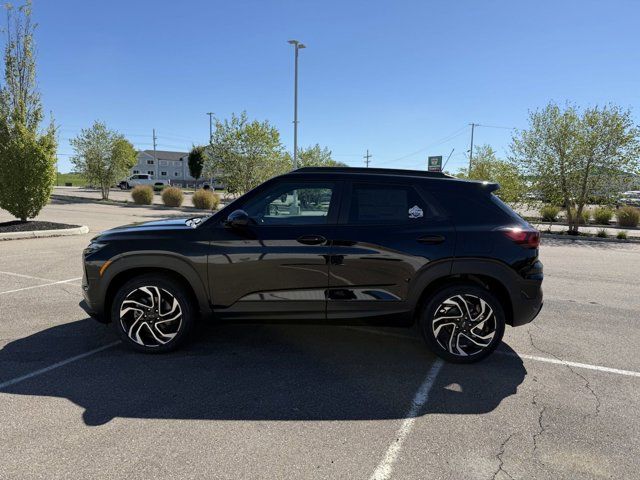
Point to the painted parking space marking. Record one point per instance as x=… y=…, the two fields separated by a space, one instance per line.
x=385 y=468
x=59 y=364
x=21 y=275
x=553 y=361
x=566 y=363
x=40 y=286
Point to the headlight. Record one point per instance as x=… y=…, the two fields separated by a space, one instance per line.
x=93 y=248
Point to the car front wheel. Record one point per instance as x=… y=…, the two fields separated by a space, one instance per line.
x=463 y=323
x=152 y=314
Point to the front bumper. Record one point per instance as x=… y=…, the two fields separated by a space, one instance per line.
x=90 y=305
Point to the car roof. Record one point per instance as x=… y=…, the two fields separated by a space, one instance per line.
x=383 y=172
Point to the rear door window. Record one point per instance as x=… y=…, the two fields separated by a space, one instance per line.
x=386 y=204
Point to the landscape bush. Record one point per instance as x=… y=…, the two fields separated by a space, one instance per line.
x=142 y=195
x=205 y=200
x=549 y=213
x=602 y=233
x=584 y=218
x=602 y=215
x=628 y=216
x=622 y=235
x=172 y=197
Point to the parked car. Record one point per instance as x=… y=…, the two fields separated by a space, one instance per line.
x=142 y=179
x=630 y=198
x=327 y=245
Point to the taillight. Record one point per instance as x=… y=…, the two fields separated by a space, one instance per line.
x=526 y=237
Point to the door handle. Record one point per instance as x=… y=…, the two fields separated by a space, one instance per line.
x=312 y=240
x=432 y=239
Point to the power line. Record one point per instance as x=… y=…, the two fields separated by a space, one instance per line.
x=446 y=139
x=496 y=126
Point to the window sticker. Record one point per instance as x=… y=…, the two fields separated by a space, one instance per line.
x=416 y=212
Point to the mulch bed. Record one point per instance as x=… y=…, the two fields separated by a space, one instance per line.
x=30 y=226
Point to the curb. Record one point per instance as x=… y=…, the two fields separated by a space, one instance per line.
x=122 y=203
x=570 y=238
x=590 y=225
x=62 y=232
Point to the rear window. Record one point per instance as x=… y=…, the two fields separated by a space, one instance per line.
x=386 y=204
x=468 y=206
x=506 y=208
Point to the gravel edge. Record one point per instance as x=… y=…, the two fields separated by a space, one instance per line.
x=62 y=232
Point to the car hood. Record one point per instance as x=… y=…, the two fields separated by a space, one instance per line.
x=171 y=224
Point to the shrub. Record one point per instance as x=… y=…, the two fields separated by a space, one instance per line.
x=584 y=218
x=142 y=195
x=205 y=200
x=172 y=197
x=622 y=235
x=602 y=215
x=602 y=233
x=628 y=216
x=549 y=213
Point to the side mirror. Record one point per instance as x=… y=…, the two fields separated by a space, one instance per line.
x=238 y=219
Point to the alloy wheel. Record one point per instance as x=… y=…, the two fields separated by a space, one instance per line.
x=464 y=325
x=150 y=316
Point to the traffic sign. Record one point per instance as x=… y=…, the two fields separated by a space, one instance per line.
x=434 y=164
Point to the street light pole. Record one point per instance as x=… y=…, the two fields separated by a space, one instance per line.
x=297 y=46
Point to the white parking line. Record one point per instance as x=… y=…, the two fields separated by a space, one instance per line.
x=21 y=275
x=597 y=368
x=40 y=286
x=555 y=361
x=385 y=467
x=59 y=364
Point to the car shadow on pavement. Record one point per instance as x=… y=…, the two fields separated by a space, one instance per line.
x=254 y=372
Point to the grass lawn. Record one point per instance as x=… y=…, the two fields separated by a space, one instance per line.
x=75 y=179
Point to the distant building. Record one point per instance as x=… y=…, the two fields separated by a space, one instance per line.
x=172 y=166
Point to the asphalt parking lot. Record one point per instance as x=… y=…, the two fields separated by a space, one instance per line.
x=559 y=400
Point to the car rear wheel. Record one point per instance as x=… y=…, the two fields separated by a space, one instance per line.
x=152 y=314
x=463 y=323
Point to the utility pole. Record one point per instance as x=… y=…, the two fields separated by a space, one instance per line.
x=473 y=126
x=210 y=125
x=366 y=158
x=297 y=46
x=155 y=157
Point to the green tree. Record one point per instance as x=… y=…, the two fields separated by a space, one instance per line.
x=197 y=157
x=246 y=153
x=27 y=154
x=486 y=166
x=571 y=155
x=102 y=156
x=315 y=156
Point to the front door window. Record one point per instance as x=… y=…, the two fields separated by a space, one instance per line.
x=292 y=204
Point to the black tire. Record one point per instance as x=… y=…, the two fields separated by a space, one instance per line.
x=173 y=332
x=465 y=327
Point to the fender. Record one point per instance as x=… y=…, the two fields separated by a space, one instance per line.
x=158 y=259
x=524 y=295
x=430 y=273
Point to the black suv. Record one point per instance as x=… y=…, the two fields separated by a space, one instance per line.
x=327 y=245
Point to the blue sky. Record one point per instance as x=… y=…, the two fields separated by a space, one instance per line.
x=401 y=78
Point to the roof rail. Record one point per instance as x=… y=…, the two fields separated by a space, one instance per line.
x=379 y=171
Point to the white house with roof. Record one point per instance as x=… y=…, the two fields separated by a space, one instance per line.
x=166 y=165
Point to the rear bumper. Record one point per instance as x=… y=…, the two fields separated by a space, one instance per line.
x=527 y=303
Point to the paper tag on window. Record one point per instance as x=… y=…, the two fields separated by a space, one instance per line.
x=415 y=212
